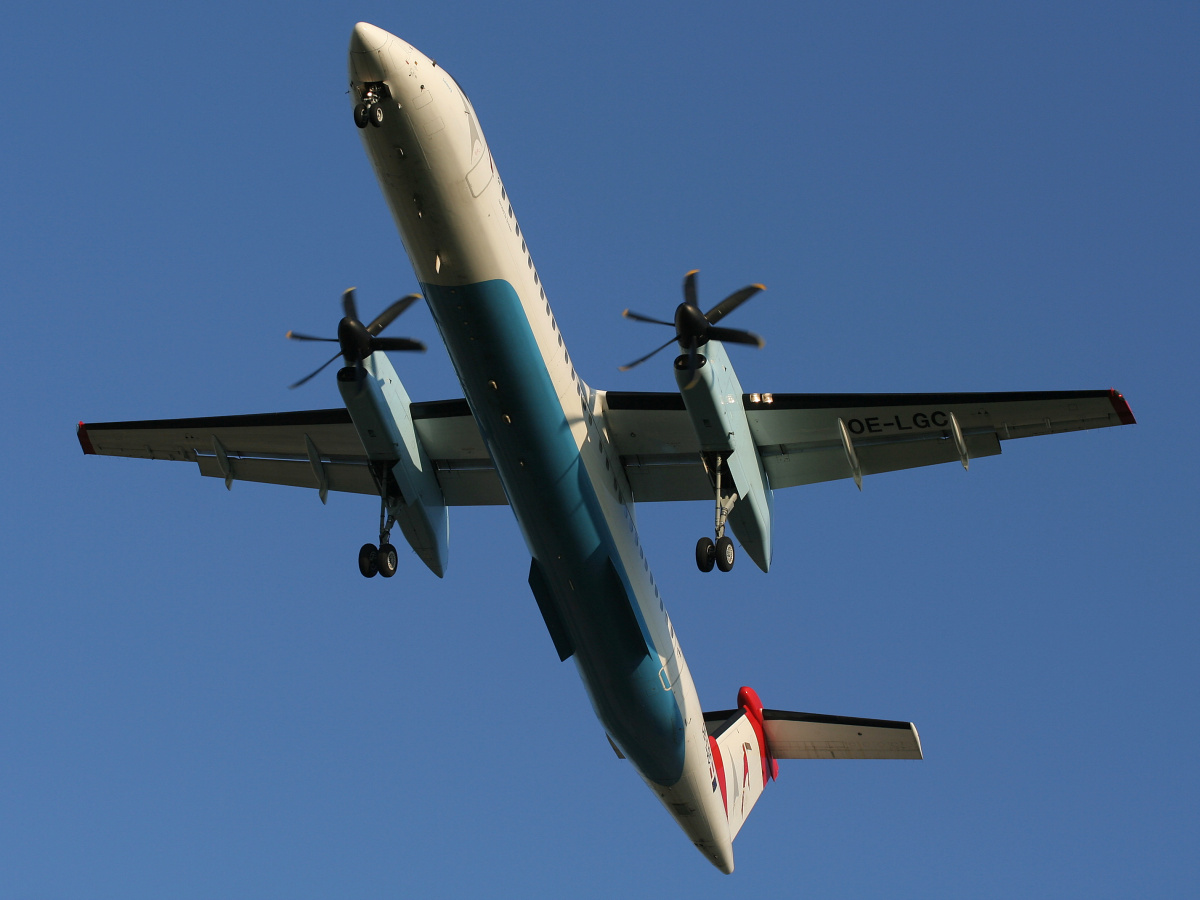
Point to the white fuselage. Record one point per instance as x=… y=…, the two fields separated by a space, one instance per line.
x=543 y=426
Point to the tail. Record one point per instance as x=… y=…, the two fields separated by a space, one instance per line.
x=747 y=743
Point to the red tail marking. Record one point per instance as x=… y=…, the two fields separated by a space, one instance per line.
x=748 y=700
x=720 y=764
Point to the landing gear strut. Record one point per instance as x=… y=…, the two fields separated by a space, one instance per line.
x=382 y=559
x=370 y=111
x=719 y=553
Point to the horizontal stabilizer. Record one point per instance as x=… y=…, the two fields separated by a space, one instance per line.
x=800 y=735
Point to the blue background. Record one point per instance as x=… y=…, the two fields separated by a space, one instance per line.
x=200 y=696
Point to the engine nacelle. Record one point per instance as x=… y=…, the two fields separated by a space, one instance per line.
x=379 y=408
x=714 y=405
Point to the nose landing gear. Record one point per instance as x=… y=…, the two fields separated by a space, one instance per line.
x=370 y=110
x=719 y=553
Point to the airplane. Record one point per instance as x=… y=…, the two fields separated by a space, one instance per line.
x=573 y=462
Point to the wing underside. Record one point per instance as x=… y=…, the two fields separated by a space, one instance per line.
x=801 y=442
x=798 y=437
x=306 y=449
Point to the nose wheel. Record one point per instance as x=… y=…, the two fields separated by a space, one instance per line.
x=719 y=553
x=370 y=110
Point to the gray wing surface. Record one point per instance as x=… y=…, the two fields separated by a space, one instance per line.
x=303 y=448
x=797 y=435
x=800 y=441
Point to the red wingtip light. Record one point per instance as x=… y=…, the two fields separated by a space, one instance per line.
x=84 y=441
x=1121 y=405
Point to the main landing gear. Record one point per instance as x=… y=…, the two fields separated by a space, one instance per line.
x=382 y=559
x=370 y=110
x=719 y=553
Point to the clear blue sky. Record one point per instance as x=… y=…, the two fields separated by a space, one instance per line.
x=200 y=696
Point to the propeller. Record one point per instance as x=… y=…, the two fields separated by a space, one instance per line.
x=358 y=341
x=694 y=329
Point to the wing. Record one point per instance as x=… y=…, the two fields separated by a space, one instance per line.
x=801 y=441
x=313 y=448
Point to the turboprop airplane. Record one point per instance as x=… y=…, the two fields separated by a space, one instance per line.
x=572 y=461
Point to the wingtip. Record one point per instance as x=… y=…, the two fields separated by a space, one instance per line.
x=84 y=441
x=1121 y=405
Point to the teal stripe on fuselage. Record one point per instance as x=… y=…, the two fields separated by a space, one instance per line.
x=525 y=428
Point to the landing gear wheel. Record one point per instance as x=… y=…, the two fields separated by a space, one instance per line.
x=368 y=560
x=706 y=554
x=360 y=115
x=388 y=560
x=376 y=115
x=724 y=553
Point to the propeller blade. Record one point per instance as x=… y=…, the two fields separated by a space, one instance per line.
x=296 y=336
x=313 y=375
x=638 y=317
x=349 y=307
x=638 y=362
x=689 y=288
x=396 y=344
x=734 y=336
x=732 y=302
x=385 y=318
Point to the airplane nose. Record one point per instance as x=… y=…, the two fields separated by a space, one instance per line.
x=367 y=63
x=367 y=38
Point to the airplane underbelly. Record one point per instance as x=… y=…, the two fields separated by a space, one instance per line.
x=538 y=459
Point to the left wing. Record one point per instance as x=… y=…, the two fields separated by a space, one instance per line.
x=311 y=448
x=801 y=441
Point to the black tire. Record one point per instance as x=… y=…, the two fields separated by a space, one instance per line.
x=360 y=115
x=388 y=561
x=724 y=553
x=376 y=114
x=368 y=560
x=706 y=554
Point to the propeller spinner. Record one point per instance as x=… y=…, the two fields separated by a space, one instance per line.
x=358 y=341
x=694 y=329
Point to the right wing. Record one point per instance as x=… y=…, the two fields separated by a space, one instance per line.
x=311 y=448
